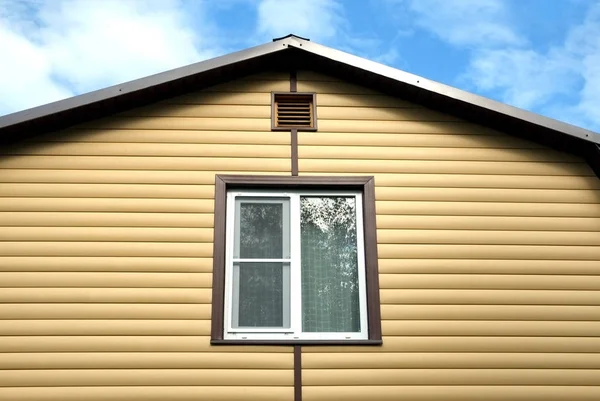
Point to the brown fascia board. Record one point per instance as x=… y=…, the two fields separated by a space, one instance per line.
x=153 y=88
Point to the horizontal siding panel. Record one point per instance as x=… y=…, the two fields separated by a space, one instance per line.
x=112 y=176
x=182 y=123
x=148 y=393
x=487 y=237
x=96 y=344
x=107 y=191
x=408 y=127
x=453 y=393
x=453 y=360
x=530 y=209
x=333 y=87
x=222 y=98
x=489 y=297
x=275 y=75
x=146 y=377
x=203 y=110
x=322 y=138
x=116 y=234
x=87 y=219
x=105 y=264
x=105 y=311
x=494 y=344
x=147 y=163
x=102 y=279
x=247 y=85
x=148 y=360
x=106 y=295
x=164 y=136
x=361 y=100
x=307 y=75
x=488 y=328
x=429 y=153
x=440 y=344
x=387 y=113
x=485 y=266
x=492 y=223
x=480 y=181
x=373 y=167
x=122 y=249
x=152 y=149
x=488 y=281
x=447 y=251
x=490 y=312
x=451 y=377
x=488 y=195
x=105 y=327
x=123 y=205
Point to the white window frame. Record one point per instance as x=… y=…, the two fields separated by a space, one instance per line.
x=295 y=275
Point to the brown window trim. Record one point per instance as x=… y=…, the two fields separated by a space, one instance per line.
x=274 y=126
x=223 y=183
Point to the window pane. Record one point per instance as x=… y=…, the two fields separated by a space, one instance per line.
x=261 y=230
x=261 y=295
x=330 y=291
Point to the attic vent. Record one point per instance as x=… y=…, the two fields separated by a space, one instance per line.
x=294 y=110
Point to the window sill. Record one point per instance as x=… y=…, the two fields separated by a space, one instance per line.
x=298 y=342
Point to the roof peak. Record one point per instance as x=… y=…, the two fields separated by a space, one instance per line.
x=291 y=35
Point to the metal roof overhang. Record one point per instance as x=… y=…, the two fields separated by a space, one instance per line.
x=294 y=52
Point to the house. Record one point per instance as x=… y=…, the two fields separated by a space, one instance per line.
x=293 y=222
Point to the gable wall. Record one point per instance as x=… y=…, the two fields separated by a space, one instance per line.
x=489 y=253
x=106 y=254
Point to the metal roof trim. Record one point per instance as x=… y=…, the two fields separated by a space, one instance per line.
x=140 y=84
x=293 y=41
x=445 y=90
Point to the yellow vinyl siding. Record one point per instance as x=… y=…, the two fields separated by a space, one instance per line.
x=489 y=251
x=106 y=234
x=147 y=393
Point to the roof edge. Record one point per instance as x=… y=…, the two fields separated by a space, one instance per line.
x=141 y=83
x=445 y=90
x=88 y=100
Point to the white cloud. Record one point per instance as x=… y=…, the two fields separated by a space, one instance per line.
x=319 y=20
x=466 y=22
x=524 y=78
x=75 y=46
x=562 y=81
x=25 y=74
x=582 y=44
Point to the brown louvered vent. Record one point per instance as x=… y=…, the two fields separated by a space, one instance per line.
x=294 y=110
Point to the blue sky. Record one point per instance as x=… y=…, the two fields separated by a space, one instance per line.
x=540 y=55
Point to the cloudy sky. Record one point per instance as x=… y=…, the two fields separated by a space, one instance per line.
x=541 y=55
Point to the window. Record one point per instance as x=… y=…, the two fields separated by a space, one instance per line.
x=293 y=111
x=293 y=262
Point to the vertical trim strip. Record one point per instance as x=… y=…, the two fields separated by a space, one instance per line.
x=294 y=132
x=294 y=142
x=218 y=273
x=294 y=156
x=297 y=373
x=293 y=81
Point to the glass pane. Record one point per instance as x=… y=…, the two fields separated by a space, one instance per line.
x=330 y=291
x=260 y=230
x=261 y=295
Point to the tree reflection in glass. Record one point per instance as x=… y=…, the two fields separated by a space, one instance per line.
x=330 y=291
